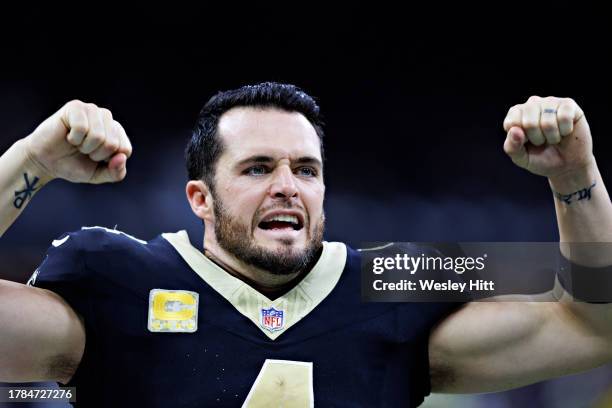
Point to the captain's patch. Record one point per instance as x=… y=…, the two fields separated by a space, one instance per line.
x=173 y=311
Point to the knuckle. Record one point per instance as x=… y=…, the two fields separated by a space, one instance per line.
x=111 y=145
x=530 y=124
x=514 y=109
x=80 y=128
x=75 y=110
x=96 y=137
x=534 y=98
x=548 y=126
x=75 y=103
x=96 y=156
x=127 y=149
x=508 y=124
x=513 y=114
x=107 y=114
x=118 y=128
x=534 y=132
x=126 y=143
x=569 y=101
x=537 y=138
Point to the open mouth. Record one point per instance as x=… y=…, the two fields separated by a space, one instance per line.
x=282 y=222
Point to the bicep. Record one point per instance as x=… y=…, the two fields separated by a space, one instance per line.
x=492 y=346
x=42 y=338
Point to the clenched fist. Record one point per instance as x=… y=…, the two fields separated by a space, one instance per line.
x=80 y=143
x=548 y=136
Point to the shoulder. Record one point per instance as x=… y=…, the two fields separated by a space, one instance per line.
x=77 y=245
x=95 y=242
x=99 y=238
x=78 y=253
x=99 y=257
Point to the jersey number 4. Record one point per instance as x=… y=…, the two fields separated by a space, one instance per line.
x=282 y=383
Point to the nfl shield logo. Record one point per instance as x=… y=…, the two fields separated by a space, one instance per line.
x=272 y=319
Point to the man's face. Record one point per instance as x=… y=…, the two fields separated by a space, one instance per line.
x=269 y=189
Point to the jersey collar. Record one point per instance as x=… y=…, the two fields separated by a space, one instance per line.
x=294 y=305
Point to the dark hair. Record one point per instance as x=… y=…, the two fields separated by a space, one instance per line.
x=205 y=146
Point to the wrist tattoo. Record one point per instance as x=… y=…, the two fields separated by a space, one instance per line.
x=584 y=194
x=27 y=192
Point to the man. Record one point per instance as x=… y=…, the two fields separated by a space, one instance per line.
x=269 y=315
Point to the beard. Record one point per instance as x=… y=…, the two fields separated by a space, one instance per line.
x=237 y=239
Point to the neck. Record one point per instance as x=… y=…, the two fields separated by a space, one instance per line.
x=269 y=284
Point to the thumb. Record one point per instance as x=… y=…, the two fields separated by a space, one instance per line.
x=113 y=171
x=514 y=146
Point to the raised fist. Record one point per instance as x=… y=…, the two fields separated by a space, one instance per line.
x=80 y=143
x=548 y=136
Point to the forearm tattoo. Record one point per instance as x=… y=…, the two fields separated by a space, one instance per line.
x=22 y=195
x=584 y=194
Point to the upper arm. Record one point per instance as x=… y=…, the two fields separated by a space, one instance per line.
x=42 y=337
x=491 y=346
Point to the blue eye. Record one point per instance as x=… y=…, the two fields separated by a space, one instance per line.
x=256 y=170
x=307 y=172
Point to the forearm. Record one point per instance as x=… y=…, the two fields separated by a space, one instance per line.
x=20 y=180
x=585 y=232
x=584 y=215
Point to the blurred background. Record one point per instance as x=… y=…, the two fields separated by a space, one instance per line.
x=413 y=101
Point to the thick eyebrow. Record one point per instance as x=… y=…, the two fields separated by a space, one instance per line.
x=267 y=159
x=255 y=159
x=310 y=160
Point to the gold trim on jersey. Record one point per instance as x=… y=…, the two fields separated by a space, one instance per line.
x=295 y=304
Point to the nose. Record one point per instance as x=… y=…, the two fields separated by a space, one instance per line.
x=283 y=183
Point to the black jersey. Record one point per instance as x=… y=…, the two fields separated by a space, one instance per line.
x=166 y=327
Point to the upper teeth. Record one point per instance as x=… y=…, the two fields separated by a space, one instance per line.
x=286 y=218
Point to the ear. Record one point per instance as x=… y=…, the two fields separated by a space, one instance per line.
x=200 y=199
